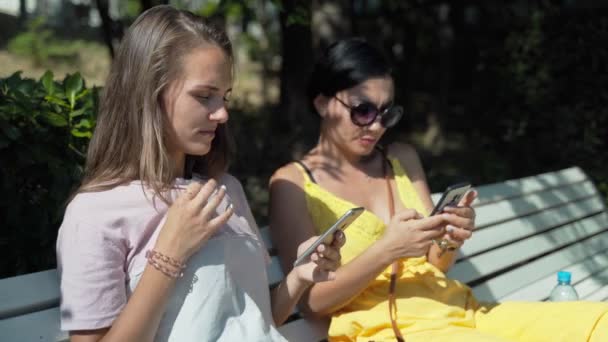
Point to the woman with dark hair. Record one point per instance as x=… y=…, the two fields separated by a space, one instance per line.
x=146 y=253
x=392 y=280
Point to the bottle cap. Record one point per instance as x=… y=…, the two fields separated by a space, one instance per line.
x=564 y=276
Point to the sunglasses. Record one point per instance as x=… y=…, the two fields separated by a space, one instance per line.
x=365 y=113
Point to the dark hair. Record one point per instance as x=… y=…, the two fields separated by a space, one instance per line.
x=345 y=64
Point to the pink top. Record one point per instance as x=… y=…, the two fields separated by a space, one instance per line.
x=101 y=255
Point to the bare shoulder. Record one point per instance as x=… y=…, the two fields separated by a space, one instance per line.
x=287 y=173
x=409 y=160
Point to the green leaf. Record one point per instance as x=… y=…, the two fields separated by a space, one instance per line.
x=56 y=120
x=47 y=82
x=57 y=101
x=81 y=134
x=73 y=85
x=83 y=93
x=76 y=113
x=84 y=123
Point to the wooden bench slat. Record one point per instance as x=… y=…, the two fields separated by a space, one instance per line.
x=601 y=295
x=534 y=280
x=592 y=283
x=500 y=258
x=36 y=291
x=517 y=187
x=42 y=326
x=505 y=232
x=494 y=192
x=517 y=207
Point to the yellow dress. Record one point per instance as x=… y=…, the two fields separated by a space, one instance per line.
x=430 y=306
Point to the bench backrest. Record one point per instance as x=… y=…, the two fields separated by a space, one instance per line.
x=527 y=230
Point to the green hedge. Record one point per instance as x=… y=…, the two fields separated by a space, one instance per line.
x=45 y=127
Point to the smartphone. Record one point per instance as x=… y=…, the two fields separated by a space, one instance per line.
x=451 y=196
x=327 y=237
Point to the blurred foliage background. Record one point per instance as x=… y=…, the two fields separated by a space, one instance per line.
x=493 y=90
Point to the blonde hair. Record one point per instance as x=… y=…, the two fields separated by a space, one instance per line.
x=130 y=139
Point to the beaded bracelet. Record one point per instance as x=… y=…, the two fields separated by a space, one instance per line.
x=153 y=259
x=160 y=256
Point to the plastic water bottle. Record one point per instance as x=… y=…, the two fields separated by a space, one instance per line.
x=563 y=291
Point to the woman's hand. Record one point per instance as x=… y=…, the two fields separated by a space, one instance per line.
x=191 y=220
x=461 y=220
x=409 y=234
x=323 y=262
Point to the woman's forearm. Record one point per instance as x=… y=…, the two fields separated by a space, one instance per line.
x=351 y=279
x=285 y=296
x=140 y=318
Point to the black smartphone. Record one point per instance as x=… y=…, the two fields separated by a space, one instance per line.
x=451 y=196
x=349 y=216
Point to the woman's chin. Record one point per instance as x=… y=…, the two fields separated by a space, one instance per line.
x=365 y=151
x=199 y=150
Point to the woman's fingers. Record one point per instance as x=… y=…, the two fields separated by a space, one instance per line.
x=458 y=234
x=191 y=191
x=459 y=221
x=339 y=239
x=468 y=198
x=433 y=233
x=324 y=263
x=429 y=223
x=205 y=192
x=210 y=207
x=330 y=253
x=215 y=223
x=466 y=212
x=406 y=215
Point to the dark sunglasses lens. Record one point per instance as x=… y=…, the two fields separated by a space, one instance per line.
x=392 y=117
x=364 y=114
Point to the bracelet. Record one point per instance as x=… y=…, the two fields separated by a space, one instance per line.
x=169 y=273
x=156 y=259
x=160 y=256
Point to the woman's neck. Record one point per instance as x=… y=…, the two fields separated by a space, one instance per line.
x=179 y=164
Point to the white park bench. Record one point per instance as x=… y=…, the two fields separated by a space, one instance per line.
x=527 y=230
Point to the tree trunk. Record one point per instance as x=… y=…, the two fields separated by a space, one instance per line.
x=108 y=25
x=294 y=118
x=22 y=12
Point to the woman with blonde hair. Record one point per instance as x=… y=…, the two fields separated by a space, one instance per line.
x=159 y=243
